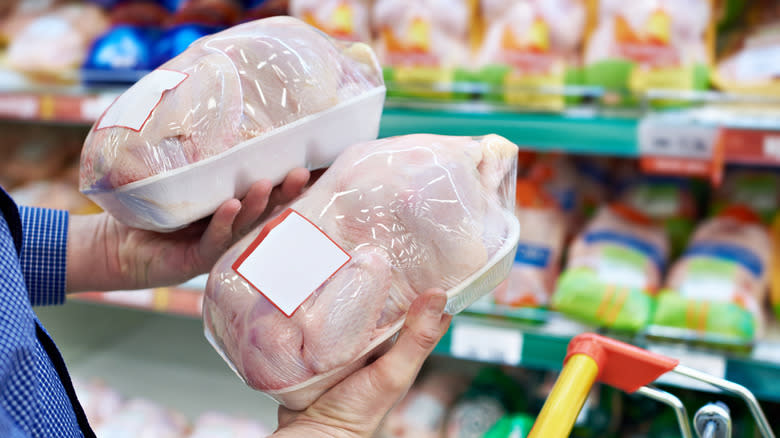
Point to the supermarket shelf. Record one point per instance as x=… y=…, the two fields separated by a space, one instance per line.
x=527 y=338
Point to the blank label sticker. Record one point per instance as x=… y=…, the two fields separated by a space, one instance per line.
x=490 y=344
x=289 y=260
x=134 y=107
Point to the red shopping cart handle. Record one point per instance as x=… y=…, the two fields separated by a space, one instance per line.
x=619 y=364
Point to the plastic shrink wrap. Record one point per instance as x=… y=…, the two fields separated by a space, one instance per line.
x=251 y=102
x=615 y=266
x=717 y=289
x=306 y=298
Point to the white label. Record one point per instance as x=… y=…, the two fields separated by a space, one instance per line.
x=666 y=138
x=291 y=262
x=134 y=107
x=709 y=363
x=772 y=146
x=489 y=344
x=19 y=106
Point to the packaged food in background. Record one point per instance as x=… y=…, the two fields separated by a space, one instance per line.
x=218 y=425
x=15 y=15
x=423 y=45
x=143 y=418
x=54 y=45
x=668 y=201
x=758 y=189
x=747 y=57
x=99 y=401
x=774 y=270
x=614 y=268
x=259 y=9
x=529 y=50
x=532 y=279
x=252 y=102
x=423 y=410
x=395 y=217
x=491 y=395
x=650 y=44
x=556 y=174
x=717 y=288
x=595 y=183
x=343 y=19
x=128 y=50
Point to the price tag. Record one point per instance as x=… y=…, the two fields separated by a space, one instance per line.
x=485 y=343
x=709 y=363
x=666 y=138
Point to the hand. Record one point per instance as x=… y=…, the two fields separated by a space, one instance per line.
x=356 y=406
x=104 y=254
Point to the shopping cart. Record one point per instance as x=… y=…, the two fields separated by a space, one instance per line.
x=592 y=358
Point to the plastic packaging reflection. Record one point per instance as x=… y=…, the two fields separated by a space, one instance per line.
x=225 y=90
x=413 y=212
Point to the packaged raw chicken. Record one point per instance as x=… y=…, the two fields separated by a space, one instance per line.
x=650 y=44
x=532 y=279
x=216 y=425
x=143 y=418
x=306 y=298
x=668 y=201
x=556 y=175
x=615 y=266
x=421 y=413
x=251 y=102
x=342 y=19
x=529 y=45
x=423 y=44
x=716 y=290
x=55 y=44
x=15 y=15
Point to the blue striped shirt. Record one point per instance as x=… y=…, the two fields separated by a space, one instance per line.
x=36 y=396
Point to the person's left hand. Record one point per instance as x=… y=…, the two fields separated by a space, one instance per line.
x=104 y=254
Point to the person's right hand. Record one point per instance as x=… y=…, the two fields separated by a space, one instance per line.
x=356 y=406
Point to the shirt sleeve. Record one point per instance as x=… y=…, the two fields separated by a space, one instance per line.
x=44 y=245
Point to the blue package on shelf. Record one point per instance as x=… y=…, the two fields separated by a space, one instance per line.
x=122 y=55
x=177 y=39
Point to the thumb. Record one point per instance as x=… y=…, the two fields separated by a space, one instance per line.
x=394 y=372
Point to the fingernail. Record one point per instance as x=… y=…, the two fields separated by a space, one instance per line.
x=436 y=304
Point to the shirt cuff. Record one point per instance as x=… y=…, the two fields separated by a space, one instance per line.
x=44 y=246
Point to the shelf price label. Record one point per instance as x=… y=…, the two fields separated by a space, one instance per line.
x=19 y=106
x=670 y=139
x=680 y=149
x=710 y=363
x=485 y=343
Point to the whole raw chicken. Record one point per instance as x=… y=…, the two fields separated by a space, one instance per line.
x=240 y=83
x=622 y=227
x=638 y=30
x=422 y=32
x=414 y=212
x=734 y=239
x=563 y=24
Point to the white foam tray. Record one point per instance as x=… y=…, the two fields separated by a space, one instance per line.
x=477 y=285
x=171 y=200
